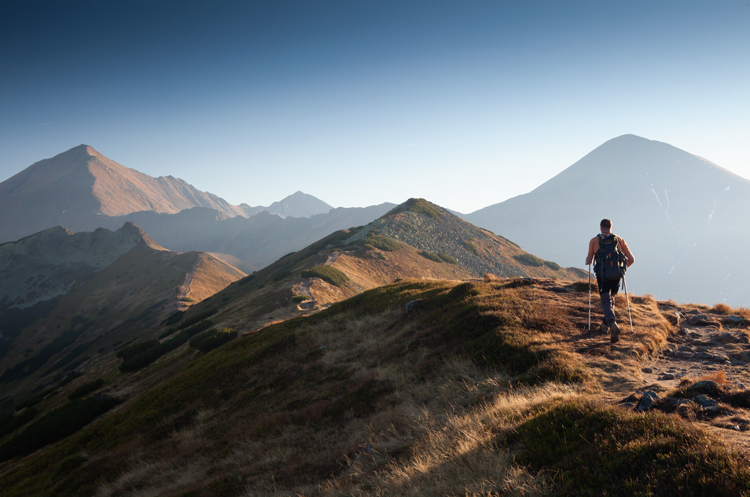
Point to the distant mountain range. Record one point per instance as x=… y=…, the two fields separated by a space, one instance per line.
x=81 y=188
x=685 y=219
x=62 y=292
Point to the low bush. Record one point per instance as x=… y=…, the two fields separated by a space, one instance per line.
x=447 y=258
x=529 y=260
x=431 y=256
x=32 y=401
x=10 y=423
x=552 y=265
x=150 y=355
x=56 y=425
x=470 y=247
x=382 y=243
x=86 y=389
x=587 y=447
x=300 y=298
x=422 y=206
x=136 y=348
x=209 y=340
x=326 y=273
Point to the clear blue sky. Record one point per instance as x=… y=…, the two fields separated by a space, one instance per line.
x=358 y=102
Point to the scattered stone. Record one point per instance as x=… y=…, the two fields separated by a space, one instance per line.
x=704 y=401
x=700 y=320
x=694 y=311
x=647 y=401
x=682 y=354
x=726 y=338
x=693 y=335
x=704 y=386
x=647 y=370
x=732 y=319
x=666 y=376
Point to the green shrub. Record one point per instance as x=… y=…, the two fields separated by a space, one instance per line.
x=173 y=318
x=10 y=423
x=381 y=242
x=430 y=256
x=136 y=348
x=552 y=265
x=86 y=389
x=56 y=425
x=326 y=273
x=197 y=318
x=447 y=258
x=588 y=447
x=421 y=206
x=529 y=260
x=34 y=400
x=470 y=246
x=209 y=340
x=150 y=355
x=300 y=298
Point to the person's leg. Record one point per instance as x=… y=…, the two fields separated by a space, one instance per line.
x=608 y=290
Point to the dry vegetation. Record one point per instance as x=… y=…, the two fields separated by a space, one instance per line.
x=416 y=388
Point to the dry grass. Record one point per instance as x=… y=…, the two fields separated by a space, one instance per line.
x=718 y=377
x=369 y=398
x=491 y=278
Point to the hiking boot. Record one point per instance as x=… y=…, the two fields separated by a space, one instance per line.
x=603 y=328
x=615 y=333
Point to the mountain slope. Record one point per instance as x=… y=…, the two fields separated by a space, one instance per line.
x=74 y=290
x=257 y=241
x=416 y=388
x=45 y=265
x=682 y=216
x=299 y=205
x=76 y=186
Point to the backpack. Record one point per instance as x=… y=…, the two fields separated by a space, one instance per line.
x=610 y=262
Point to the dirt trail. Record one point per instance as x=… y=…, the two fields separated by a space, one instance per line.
x=686 y=360
x=704 y=345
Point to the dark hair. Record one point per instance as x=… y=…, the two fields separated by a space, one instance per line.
x=606 y=223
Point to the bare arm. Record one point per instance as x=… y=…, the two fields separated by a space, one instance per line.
x=626 y=250
x=593 y=247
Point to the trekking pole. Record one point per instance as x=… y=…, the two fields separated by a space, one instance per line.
x=628 y=301
x=589 y=298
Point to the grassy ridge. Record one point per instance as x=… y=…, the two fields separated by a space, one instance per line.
x=411 y=388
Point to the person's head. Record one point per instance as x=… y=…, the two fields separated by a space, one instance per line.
x=605 y=225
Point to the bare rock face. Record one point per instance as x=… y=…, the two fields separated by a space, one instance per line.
x=51 y=262
x=75 y=187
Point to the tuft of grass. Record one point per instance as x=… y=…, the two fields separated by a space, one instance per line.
x=447 y=258
x=86 y=389
x=422 y=206
x=552 y=265
x=430 y=256
x=470 y=247
x=530 y=260
x=209 y=340
x=326 y=273
x=586 y=447
x=382 y=243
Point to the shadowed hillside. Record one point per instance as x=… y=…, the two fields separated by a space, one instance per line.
x=77 y=296
x=420 y=387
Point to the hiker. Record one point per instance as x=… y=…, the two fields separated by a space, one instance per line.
x=611 y=256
